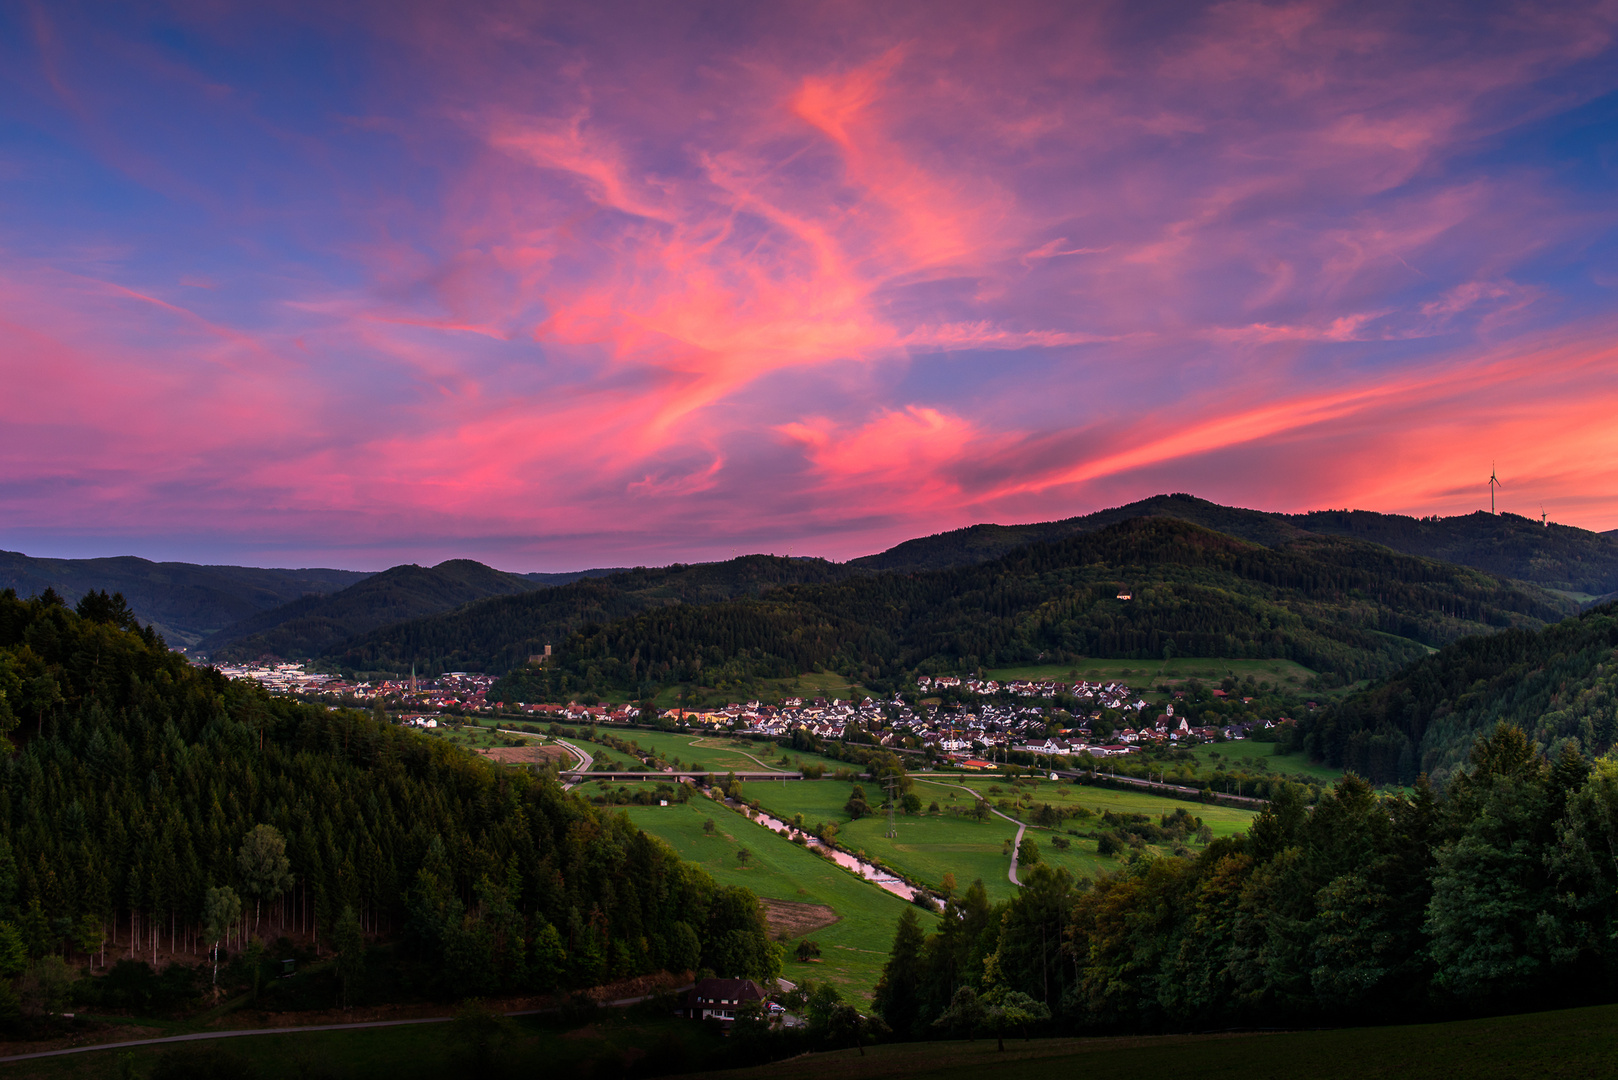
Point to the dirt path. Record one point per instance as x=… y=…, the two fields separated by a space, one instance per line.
x=731 y=749
x=1021 y=828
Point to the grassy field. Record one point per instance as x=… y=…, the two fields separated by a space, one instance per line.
x=1145 y=673
x=1247 y=754
x=1561 y=1045
x=853 y=948
x=719 y=753
x=1564 y=1044
x=475 y=736
x=930 y=845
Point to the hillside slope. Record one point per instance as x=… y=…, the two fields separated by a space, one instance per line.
x=1559 y=684
x=1554 y=556
x=1336 y=605
x=310 y=625
x=185 y=602
x=154 y=774
x=498 y=634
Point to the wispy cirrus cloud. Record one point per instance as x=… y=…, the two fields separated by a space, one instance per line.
x=553 y=288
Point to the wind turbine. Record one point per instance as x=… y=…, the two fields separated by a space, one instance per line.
x=1493 y=483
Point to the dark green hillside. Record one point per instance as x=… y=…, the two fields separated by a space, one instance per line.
x=309 y=626
x=1335 y=605
x=140 y=777
x=985 y=543
x=1558 y=556
x=1559 y=684
x=184 y=601
x=569 y=576
x=499 y=634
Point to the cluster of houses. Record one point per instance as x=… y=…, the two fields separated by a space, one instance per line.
x=961 y=732
x=1107 y=695
x=454 y=689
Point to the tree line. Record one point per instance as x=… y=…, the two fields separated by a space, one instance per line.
x=1499 y=895
x=1559 y=684
x=141 y=786
x=1335 y=605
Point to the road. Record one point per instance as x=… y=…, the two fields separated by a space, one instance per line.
x=585 y=760
x=204 y=1036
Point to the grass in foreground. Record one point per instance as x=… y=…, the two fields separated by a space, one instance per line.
x=1559 y=1045
x=607 y=1043
x=1568 y=1043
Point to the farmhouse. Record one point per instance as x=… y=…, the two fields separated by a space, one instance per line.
x=718 y=999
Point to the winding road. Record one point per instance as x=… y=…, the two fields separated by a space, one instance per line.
x=1021 y=828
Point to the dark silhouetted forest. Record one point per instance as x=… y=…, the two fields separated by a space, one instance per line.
x=185 y=602
x=141 y=783
x=1499 y=895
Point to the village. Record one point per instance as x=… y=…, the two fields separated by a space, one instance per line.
x=1108 y=719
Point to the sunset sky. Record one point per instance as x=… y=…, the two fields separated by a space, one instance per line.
x=581 y=284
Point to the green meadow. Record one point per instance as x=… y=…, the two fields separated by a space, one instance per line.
x=930 y=845
x=1258 y=756
x=1148 y=673
x=853 y=948
x=718 y=752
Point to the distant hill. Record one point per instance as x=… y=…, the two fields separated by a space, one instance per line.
x=1556 y=557
x=184 y=602
x=500 y=633
x=1559 y=684
x=570 y=576
x=1337 y=605
x=312 y=624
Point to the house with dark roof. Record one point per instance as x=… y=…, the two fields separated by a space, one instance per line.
x=719 y=999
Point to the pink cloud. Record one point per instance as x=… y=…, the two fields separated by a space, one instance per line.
x=826 y=274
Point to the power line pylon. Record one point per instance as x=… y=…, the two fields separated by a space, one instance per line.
x=893 y=831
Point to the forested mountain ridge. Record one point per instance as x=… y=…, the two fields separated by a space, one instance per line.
x=141 y=778
x=1559 y=684
x=184 y=601
x=1336 y=605
x=500 y=633
x=1553 y=556
x=312 y=624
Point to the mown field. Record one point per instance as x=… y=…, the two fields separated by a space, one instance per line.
x=717 y=752
x=853 y=948
x=930 y=845
x=1248 y=755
